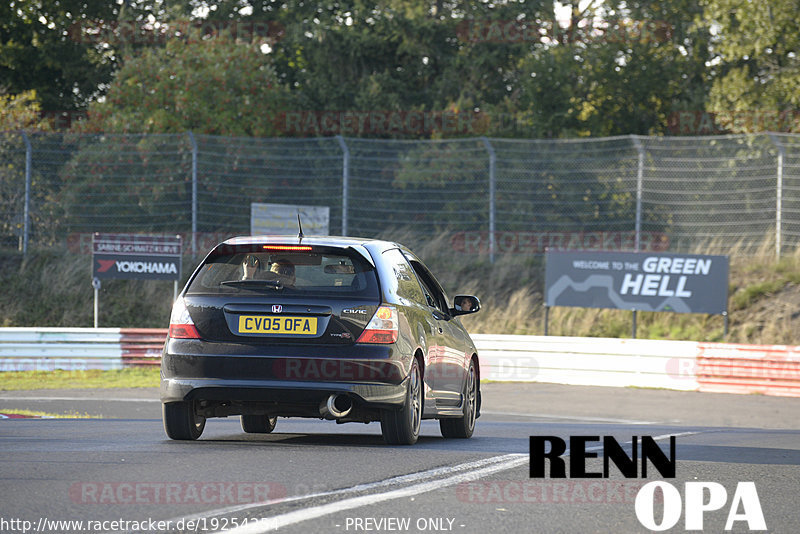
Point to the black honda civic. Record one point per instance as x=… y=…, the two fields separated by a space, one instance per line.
x=345 y=329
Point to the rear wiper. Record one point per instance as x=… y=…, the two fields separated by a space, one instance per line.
x=254 y=284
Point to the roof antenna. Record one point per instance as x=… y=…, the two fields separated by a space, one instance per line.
x=300 y=236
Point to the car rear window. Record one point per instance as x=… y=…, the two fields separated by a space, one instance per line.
x=318 y=272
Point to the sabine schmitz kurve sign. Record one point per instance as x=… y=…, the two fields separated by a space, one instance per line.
x=641 y=281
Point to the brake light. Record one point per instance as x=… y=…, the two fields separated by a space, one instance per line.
x=181 y=325
x=382 y=328
x=287 y=247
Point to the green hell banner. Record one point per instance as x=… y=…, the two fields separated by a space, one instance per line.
x=683 y=283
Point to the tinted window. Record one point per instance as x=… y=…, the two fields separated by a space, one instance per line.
x=317 y=272
x=433 y=290
x=405 y=283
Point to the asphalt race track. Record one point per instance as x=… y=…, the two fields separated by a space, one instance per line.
x=121 y=473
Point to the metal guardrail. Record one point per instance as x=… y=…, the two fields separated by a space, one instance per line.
x=142 y=346
x=47 y=349
x=732 y=368
x=588 y=361
x=677 y=365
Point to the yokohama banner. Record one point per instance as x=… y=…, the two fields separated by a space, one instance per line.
x=683 y=283
x=136 y=257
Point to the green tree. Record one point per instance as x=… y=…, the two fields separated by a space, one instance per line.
x=208 y=85
x=610 y=68
x=391 y=55
x=756 y=58
x=17 y=113
x=42 y=49
x=21 y=112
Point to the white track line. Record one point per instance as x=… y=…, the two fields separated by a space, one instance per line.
x=370 y=486
x=496 y=464
x=655 y=438
x=290 y=518
x=571 y=418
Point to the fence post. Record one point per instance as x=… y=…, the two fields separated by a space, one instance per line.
x=27 y=206
x=492 y=182
x=778 y=195
x=639 y=179
x=194 y=194
x=345 y=180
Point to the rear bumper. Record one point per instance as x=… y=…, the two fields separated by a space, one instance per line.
x=280 y=392
x=372 y=375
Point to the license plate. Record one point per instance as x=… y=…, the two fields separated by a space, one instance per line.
x=260 y=324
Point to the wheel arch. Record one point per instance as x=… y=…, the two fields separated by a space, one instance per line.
x=474 y=358
x=420 y=357
x=477 y=361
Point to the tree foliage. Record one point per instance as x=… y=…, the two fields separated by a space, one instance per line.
x=756 y=60
x=17 y=113
x=22 y=112
x=209 y=85
x=41 y=50
x=529 y=68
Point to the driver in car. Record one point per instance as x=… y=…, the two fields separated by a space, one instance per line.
x=250 y=267
x=285 y=271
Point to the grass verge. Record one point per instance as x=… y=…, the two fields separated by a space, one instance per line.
x=134 y=377
x=48 y=415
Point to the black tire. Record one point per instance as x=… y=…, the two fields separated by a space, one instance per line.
x=258 y=424
x=463 y=427
x=401 y=427
x=180 y=421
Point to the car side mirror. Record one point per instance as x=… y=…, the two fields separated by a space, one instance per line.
x=464 y=304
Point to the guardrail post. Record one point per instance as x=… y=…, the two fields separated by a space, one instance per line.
x=778 y=195
x=492 y=184
x=345 y=180
x=194 y=194
x=639 y=179
x=546 y=319
x=27 y=206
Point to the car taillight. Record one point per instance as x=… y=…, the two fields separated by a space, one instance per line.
x=181 y=325
x=382 y=328
x=304 y=248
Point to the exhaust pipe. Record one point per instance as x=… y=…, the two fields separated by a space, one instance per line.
x=336 y=406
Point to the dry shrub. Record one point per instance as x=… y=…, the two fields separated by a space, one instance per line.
x=53 y=288
x=511 y=293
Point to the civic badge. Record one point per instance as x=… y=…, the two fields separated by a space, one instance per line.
x=277 y=308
